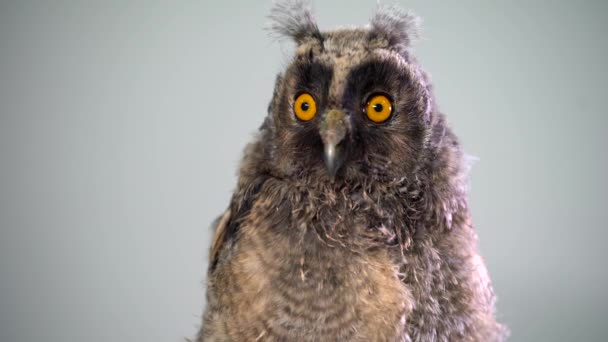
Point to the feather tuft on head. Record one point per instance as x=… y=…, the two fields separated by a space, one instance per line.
x=398 y=27
x=293 y=19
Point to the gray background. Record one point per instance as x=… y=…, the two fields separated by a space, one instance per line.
x=122 y=123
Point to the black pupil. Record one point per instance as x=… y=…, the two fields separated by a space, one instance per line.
x=304 y=106
x=378 y=107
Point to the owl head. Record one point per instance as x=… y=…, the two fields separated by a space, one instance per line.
x=352 y=103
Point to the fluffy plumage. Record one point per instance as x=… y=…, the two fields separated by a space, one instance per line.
x=379 y=249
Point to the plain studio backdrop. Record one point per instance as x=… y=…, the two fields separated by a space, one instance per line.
x=122 y=124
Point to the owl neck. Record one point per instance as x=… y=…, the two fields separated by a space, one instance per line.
x=432 y=195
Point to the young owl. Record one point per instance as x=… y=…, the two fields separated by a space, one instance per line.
x=350 y=219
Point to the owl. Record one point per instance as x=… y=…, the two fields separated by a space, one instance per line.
x=349 y=221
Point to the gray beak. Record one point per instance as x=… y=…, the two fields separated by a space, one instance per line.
x=333 y=130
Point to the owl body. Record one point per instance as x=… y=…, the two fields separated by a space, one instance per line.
x=311 y=290
x=349 y=221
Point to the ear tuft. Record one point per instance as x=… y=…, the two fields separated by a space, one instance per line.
x=293 y=19
x=397 y=26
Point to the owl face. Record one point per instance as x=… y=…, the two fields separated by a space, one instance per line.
x=352 y=104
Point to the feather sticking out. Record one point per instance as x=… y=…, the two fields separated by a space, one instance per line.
x=467 y=164
x=293 y=19
x=397 y=26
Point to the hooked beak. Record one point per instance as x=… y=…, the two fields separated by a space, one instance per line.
x=333 y=130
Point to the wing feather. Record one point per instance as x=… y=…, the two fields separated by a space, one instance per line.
x=218 y=237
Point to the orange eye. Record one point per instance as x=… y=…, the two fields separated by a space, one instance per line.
x=305 y=107
x=378 y=108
